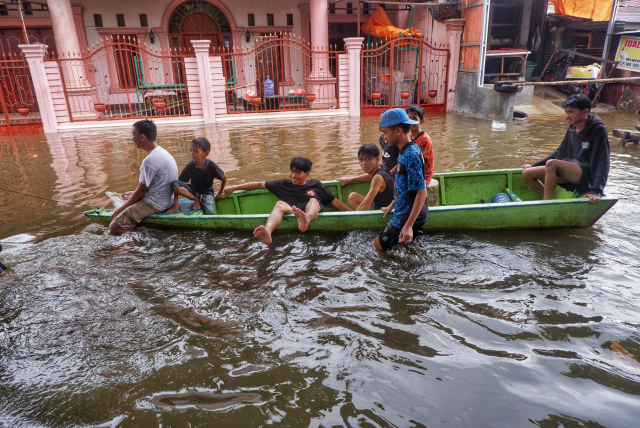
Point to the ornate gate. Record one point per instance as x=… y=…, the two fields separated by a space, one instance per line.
x=121 y=79
x=402 y=72
x=20 y=111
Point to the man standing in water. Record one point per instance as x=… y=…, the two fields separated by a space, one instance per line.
x=303 y=198
x=154 y=193
x=581 y=162
x=411 y=212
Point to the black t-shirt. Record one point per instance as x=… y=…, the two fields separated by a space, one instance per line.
x=201 y=179
x=299 y=195
x=389 y=153
x=385 y=197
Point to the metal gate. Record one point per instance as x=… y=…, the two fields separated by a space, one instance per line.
x=402 y=72
x=302 y=78
x=122 y=79
x=20 y=111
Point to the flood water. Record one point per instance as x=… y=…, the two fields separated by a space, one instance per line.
x=196 y=328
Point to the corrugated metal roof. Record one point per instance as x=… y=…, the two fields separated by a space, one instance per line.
x=629 y=11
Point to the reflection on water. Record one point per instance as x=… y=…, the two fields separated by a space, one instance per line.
x=179 y=328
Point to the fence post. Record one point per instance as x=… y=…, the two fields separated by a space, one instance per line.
x=34 y=55
x=354 y=47
x=201 y=49
x=454 y=31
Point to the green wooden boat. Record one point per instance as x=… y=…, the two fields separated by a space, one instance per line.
x=459 y=209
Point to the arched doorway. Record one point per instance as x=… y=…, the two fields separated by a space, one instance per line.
x=199 y=20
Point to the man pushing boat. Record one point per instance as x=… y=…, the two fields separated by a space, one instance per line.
x=303 y=198
x=581 y=162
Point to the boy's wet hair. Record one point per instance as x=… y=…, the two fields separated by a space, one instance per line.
x=300 y=164
x=147 y=128
x=203 y=143
x=368 y=150
x=406 y=128
x=579 y=101
x=417 y=110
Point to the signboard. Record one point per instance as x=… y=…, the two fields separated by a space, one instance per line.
x=629 y=54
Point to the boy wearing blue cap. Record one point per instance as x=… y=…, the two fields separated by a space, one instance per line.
x=410 y=194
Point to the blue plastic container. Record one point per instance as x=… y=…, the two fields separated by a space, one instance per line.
x=500 y=198
x=268 y=87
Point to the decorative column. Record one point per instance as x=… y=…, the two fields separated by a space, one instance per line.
x=354 y=46
x=201 y=49
x=305 y=22
x=320 y=82
x=78 y=87
x=35 y=58
x=453 y=34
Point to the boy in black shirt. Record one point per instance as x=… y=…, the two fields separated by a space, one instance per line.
x=201 y=171
x=581 y=162
x=301 y=197
x=381 y=191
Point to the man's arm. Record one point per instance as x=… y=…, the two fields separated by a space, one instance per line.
x=246 y=186
x=137 y=194
x=376 y=185
x=359 y=179
x=406 y=234
x=221 y=191
x=337 y=203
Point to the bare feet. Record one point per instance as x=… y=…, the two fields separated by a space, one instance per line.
x=263 y=234
x=196 y=204
x=303 y=222
x=174 y=207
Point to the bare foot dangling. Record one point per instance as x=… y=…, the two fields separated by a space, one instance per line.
x=303 y=222
x=174 y=207
x=262 y=234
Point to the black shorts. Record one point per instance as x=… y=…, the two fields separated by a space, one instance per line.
x=390 y=235
x=304 y=207
x=584 y=186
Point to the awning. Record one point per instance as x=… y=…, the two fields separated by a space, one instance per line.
x=598 y=10
x=379 y=25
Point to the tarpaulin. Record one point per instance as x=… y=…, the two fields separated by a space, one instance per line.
x=378 y=25
x=598 y=10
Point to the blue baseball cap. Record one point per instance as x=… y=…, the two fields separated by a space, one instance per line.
x=395 y=116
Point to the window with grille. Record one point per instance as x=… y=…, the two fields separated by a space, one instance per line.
x=127 y=60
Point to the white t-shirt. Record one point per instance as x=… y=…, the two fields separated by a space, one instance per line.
x=157 y=172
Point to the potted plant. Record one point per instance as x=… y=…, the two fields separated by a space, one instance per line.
x=23 y=111
x=433 y=93
x=375 y=96
x=405 y=95
x=100 y=108
x=256 y=101
x=311 y=97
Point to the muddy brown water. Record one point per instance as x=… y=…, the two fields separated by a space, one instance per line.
x=197 y=328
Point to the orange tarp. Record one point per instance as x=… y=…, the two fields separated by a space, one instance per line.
x=598 y=10
x=378 y=25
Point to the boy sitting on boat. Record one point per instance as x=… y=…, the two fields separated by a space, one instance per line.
x=381 y=191
x=411 y=212
x=299 y=196
x=581 y=162
x=157 y=172
x=422 y=139
x=201 y=172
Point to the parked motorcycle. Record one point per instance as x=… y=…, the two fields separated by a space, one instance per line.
x=561 y=69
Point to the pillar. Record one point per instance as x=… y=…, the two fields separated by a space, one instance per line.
x=305 y=22
x=354 y=47
x=34 y=55
x=64 y=27
x=201 y=49
x=319 y=13
x=238 y=35
x=453 y=34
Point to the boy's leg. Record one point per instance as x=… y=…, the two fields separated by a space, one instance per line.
x=176 y=204
x=355 y=199
x=558 y=171
x=308 y=215
x=185 y=190
x=531 y=177
x=208 y=204
x=263 y=233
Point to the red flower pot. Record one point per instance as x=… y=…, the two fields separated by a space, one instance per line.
x=23 y=111
x=256 y=101
x=405 y=95
x=159 y=105
x=100 y=108
x=375 y=96
x=311 y=97
x=433 y=93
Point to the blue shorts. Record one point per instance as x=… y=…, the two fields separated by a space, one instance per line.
x=207 y=200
